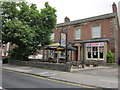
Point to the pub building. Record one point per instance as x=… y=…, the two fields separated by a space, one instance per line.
x=92 y=37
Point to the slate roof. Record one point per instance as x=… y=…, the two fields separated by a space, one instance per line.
x=90 y=19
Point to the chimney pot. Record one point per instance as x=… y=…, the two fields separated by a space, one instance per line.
x=114 y=7
x=66 y=19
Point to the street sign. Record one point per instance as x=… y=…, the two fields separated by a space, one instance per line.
x=63 y=42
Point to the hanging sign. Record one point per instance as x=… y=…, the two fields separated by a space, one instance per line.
x=94 y=44
x=63 y=39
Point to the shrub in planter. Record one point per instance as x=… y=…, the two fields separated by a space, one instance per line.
x=110 y=57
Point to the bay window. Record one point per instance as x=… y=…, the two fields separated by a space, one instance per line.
x=95 y=51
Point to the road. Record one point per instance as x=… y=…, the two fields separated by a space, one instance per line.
x=12 y=79
x=0 y=73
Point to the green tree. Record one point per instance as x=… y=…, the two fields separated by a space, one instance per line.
x=110 y=57
x=26 y=27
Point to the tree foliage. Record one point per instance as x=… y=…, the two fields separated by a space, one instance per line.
x=26 y=27
x=110 y=57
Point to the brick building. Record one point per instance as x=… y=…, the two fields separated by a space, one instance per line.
x=119 y=32
x=92 y=37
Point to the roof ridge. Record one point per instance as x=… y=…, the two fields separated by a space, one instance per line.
x=103 y=16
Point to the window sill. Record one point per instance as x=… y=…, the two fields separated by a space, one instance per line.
x=77 y=40
x=94 y=59
x=97 y=38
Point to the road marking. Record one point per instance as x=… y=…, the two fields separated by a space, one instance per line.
x=50 y=79
x=111 y=81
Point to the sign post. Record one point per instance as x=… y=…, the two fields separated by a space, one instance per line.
x=63 y=42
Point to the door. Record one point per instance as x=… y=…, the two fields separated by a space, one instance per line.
x=76 y=54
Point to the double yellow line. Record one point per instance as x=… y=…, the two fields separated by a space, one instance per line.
x=84 y=86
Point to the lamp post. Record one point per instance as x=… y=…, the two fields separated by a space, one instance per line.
x=63 y=42
x=83 y=56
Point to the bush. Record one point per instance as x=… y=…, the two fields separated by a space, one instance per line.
x=5 y=60
x=110 y=57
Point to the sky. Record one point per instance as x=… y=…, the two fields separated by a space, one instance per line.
x=77 y=9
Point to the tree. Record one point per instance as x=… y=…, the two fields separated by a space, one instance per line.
x=26 y=27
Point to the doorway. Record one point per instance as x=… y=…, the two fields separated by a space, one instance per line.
x=76 y=54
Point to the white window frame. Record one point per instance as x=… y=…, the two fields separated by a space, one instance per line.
x=51 y=53
x=92 y=54
x=77 y=35
x=103 y=53
x=87 y=54
x=94 y=33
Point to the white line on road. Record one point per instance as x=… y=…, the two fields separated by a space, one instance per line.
x=111 y=81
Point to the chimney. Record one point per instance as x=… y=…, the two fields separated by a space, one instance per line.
x=114 y=8
x=66 y=19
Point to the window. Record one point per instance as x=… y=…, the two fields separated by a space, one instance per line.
x=52 y=36
x=96 y=31
x=88 y=52
x=95 y=51
x=101 y=50
x=51 y=53
x=77 y=34
x=62 y=53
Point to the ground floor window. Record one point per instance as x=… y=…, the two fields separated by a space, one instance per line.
x=95 y=51
x=62 y=53
x=88 y=52
x=101 y=50
x=51 y=53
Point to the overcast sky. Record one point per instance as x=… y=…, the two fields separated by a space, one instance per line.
x=77 y=9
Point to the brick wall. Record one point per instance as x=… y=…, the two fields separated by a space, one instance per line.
x=45 y=65
x=86 y=30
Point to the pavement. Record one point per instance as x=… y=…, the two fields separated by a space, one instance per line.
x=105 y=77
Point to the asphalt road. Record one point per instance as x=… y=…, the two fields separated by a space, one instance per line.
x=11 y=79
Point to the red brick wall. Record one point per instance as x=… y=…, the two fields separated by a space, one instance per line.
x=106 y=32
x=86 y=30
x=70 y=33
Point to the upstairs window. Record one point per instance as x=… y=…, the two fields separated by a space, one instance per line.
x=52 y=36
x=77 y=34
x=96 y=31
